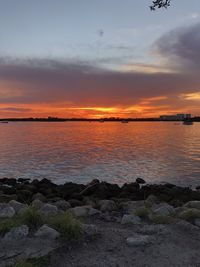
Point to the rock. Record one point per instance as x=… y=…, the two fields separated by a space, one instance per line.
x=17 y=233
x=94 y=181
x=6 y=198
x=140 y=181
x=40 y=197
x=138 y=240
x=38 y=204
x=48 y=209
x=23 y=180
x=93 y=212
x=17 y=206
x=6 y=211
x=130 y=219
x=197 y=222
x=75 y=203
x=47 y=232
x=186 y=226
x=81 y=211
x=90 y=230
x=107 y=205
x=131 y=191
x=195 y=204
x=130 y=206
x=164 y=209
x=151 y=200
x=8 y=181
x=62 y=205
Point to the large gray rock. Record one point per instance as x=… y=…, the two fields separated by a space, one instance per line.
x=130 y=219
x=164 y=209
x=197 y=222
x=39 y=196
x=48 y=210
x=62 y=205
x=107 y=205
x=17 y=233
x=81 y=211
x=138 y=240
x=17 y=206
x=130 y=206
x=47 y=232
x=93 y=212
x=186 y=226
x=38 y=204
x=195 y=204
x=6 y=211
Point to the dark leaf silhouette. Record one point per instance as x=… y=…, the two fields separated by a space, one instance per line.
x=160 y=4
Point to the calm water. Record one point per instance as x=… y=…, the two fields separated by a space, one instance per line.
x=114 y=152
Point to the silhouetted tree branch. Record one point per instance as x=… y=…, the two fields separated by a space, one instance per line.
x=159 y=4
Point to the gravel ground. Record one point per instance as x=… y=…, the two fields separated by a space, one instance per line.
x=169 y=246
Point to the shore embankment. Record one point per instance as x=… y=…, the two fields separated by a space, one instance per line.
x=98 y=224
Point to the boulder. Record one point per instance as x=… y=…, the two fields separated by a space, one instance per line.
x=163 y=209
x=195 y=204
x=17 y=233
x=130 y=219
x=38 y=204
x=6 y=211
x=62 y=205
x=107 y=205
x=197 y=222
x=93 y=212
x=138 y=240
x=140 y=181
x=40 y=197
x=17 y=206
x=130 y=206
x=75 y=202
x=6 y=198
x=47 y=232
x=48 y=209
x=81 y=211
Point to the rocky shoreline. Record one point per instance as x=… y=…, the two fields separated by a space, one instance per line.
x=71 y=224
x=25 y=191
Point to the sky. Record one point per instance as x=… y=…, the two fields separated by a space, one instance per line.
x=91 y=58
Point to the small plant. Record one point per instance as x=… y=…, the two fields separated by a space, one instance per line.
x=66 y=224
x=189 y=214
x=7 y=224
x=161 y=219
x=32 y=218
x=23 y=263
x=40 y=262
x=142 y=212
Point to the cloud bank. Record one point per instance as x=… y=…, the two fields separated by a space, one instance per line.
x=61 y=87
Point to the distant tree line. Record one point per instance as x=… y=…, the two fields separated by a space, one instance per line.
x=160 y=4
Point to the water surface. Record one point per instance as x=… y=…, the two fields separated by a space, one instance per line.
x=111 y=151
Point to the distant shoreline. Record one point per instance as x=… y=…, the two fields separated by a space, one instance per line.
x=52 y=119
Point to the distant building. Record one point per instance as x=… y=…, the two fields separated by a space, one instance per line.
x=177 y=117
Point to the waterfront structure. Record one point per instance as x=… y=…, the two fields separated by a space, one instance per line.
x=177 y=117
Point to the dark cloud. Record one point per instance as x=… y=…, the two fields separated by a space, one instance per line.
x=15 y=109
x=181 y=48
x=45 y=81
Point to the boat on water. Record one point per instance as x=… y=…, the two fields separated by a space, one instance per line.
x=124 y=121
x=187 y=122
x=4 y=121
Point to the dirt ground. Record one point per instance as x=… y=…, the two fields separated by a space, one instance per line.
x=170 y=246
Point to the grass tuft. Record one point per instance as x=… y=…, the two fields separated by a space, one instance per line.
x=66 y=225
x=189 y=214
x=161 y=219
x=142 y=212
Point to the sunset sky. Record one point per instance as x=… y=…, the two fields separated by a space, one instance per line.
x=98 y=58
